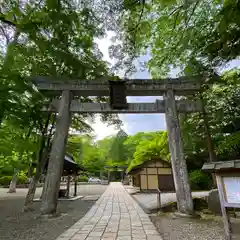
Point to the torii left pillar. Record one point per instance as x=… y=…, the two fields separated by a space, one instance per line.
x=56 y=160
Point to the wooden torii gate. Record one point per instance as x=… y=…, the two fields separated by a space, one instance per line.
x=67 y=103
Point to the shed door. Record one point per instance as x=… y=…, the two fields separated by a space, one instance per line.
x=166 y=183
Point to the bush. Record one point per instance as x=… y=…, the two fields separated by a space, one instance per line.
x=5 y=180
x=22 y=178
x=82 y=179
x=200 y=180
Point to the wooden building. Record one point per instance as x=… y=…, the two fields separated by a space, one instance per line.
x=152 y=175
x=71 y=171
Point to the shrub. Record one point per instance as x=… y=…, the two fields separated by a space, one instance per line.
x=22 y=178
x=5 y=180
x=82 y=179
x=200 y=180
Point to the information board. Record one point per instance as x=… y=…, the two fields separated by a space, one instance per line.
x=232 y=189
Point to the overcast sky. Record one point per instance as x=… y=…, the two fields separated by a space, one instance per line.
x=133 y=123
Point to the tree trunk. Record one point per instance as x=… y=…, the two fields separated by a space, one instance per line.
x=13 y=183
x=75 y=185
x=68 y=185
x=44 y=189
x=33 y=185
x=1 y=113
x=39 y=169
x=55 y=164
x=30 y=170
x=48 y=147
x=210 y=145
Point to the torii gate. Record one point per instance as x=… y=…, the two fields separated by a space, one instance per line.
x=118 y=90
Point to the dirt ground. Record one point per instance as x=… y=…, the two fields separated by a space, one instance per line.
x=190 y=229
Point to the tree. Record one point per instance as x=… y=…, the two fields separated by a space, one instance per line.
x=16 y=156
x=134 y=140
x=53 y=39
x=150 y=147
x=176 y=32
x=222 y=108
x=118 y=150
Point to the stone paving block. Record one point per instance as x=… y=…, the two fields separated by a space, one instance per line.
x=151 y=232
x=138 y=232
x=124 y=233
x=96 y=234
x=87 y=227
x=84 y=232
x=157 y=237
x=109 y=236
x=139 y=238
x=97 y=229
x=111 y=230
x=93 y=238
x=124 y=238
x=79 y=237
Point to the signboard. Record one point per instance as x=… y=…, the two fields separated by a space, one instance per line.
x=232 y=189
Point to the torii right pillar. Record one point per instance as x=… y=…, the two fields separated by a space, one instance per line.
x=179 y=166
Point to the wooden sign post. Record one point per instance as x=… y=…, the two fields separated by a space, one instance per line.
x=228 y=183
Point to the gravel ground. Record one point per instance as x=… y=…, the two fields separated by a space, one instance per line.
x=191 y=229
x=15 y=225
x=82 y=190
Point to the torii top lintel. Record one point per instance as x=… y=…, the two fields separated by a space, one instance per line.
x=134 y=87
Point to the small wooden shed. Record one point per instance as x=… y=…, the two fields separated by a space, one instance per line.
x=70 y=170
x=152 y=175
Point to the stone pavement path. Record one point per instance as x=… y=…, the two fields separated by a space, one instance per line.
x=115 y=216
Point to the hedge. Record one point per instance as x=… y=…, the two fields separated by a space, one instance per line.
x=5 y=180
x=82 y=179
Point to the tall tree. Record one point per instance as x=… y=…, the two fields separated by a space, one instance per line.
x=55 y=38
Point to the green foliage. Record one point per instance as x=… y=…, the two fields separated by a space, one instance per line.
x=200 y=180
x=22 y=178
x=5 y=180
x=49 y=39
x=74 y=147
x=221 y=102
x=175 y=34
x=86 y=152
x=154 y=145
x=94 y=156
x=82 y=179
x=200 y=38
x=118 y=151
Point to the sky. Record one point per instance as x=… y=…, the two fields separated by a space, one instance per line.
x=132 y=123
